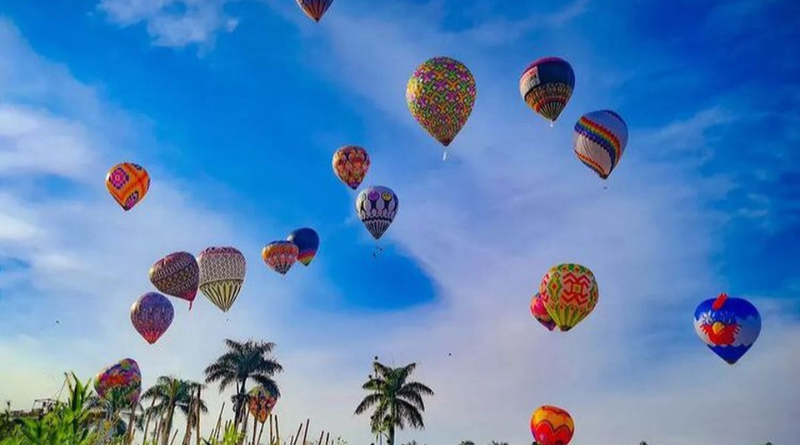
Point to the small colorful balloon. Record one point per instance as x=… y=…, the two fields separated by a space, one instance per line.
x=314 y=9
x=280 y=255
x=546 y=86
x=376 y=207
x=307 y=242
x=128 y=183
x=551 y=425
x=121 y=381
x=152 y=315
x=440 y=95
x=600 y=140
x=540 y=313
x=569 y=292
x=728 y=326
x=351 y=164
x=261 y=403
x=222 y=273
x=177 y=275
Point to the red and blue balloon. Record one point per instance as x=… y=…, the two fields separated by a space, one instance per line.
x=729 y=326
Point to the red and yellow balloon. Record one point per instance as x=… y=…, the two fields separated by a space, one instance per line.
x=551 y=425
x=128 y=183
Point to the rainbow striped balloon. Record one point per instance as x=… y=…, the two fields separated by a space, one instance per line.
x=600 y=140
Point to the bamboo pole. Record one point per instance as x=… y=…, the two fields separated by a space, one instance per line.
x=321 y=435
x=327 y=436
x=271 y=435
x=131 y=426
x=277 y=430
x=197 y=415
x=215 y=431
x=174 y=436
x=260 y=431
x=297 y=437
x=255 y=426
x=291 y=440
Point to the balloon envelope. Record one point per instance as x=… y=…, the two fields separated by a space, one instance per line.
x=351 y=164
x=728 y=326
x=120 y=381
x=261 y=402
x=540 y=313
x=569 y=293
x=440 y=95
x=315 y=9
x=551 y=425
x=222 y=272
x=600 y=139
x=177 y=275
x=307 y=241
x=280 y=255
x=376 y=207
x=152 y=315
x=546 y=85
x=128 y=183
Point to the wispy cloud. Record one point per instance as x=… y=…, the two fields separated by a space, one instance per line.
x=174 y=23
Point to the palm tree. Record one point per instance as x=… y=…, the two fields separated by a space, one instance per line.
x=467 y=442
x=189 y=409
x=242 y=362
x=170 y=393
x=396 y=400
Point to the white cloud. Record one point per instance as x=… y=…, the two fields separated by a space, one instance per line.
x=173 y=23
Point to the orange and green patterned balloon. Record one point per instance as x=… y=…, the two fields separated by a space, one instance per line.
x=261 y=402
x=128 y=183
x=440 y=96
x=551 y=425
x=569 y=293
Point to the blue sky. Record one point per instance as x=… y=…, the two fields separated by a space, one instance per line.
x=235 y=107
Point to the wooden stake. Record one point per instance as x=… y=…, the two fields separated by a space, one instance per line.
x=271 y=435
x=327 y=436
x=255 y=425
x=174 y=436
x=197 y=415
x=321 y=435
x=215 y=431
x=131 y=425
x=260 y=431
x=277 y=430
x=305 y=434
x=297 y=437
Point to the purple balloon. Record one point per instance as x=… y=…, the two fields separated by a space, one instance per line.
x=152 y=315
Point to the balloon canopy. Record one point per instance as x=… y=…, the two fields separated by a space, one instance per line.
x=152 y=315
x=121 y=381
x=128 y=183
x=351 y=164
x=728 y=326
x=307 y=242
x=440 y=95
x=222 y=272
x=546 y=85
x=600 y=139
x=177 y=275
x=261 y=402
x=551 y=425
x=376 y=207
x=314 y=9
x=280 y=255
x=569 y=293
x=540 y=313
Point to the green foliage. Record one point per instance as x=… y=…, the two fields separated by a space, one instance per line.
x=467 y=442
x=494 y=442
x=229 y=437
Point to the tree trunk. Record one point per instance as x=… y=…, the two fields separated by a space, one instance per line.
x=187 y=435
x=168 y=423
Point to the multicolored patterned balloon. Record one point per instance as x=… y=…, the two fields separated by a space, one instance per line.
x=307 y=241
x=728 y=326
x=351 y=164
x=540 y=313
x=546 y=85
x=280 y=255
x=152 y=315
x=569 y=292
x=261 y=402
x=128 y=183
x=177 y=275
x=376 y=207
x=441 y=95
x=315 y=9
x=551 y=425
x=121 y=381
x=222 y=272
x=600 y=140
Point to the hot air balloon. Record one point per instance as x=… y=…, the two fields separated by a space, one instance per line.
x=152 y=315
x=546 y=85
x=440 y=96
x=600 y=140
x=121 y=381
x=540 y=313
x=178 y=275
x=729 y=326
x=315 y=9
x=307 y=241
x=569 y=293
x=552 y=426
x=280 y=255
x=222 y=271
x=351 y=164
x=128 y=184
x=261 y=402
x=376 y=207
